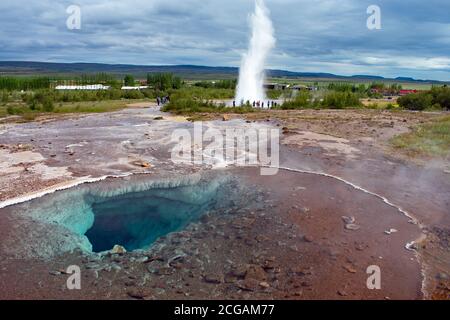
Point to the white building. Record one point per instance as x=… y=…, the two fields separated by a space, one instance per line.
x=87 y=87
x=135 y=88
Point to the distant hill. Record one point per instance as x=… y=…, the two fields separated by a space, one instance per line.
x=186 y=71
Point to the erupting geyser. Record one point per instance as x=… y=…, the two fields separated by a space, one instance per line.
x=251 y=75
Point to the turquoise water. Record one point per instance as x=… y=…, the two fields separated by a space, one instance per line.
x=137 y=220
x=132 y=212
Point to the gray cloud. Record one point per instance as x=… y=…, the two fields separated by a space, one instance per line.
x=313 y=36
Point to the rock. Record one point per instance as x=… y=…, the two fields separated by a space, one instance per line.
x=350 y=269
x=306 y=284
x=130 y=283
x=142 y=259
x=301 y=271
x=342 y=293
x=261 y=238
x=264 y=285
x=92 y=265
x=307 y=238
x=256 y=272
x=443 y=276
x=137 y=293
x=269 y=264
x=239 y=271
x=225 y=117
x=117 y=249
x=145 y=165
x=348 y=220
x=165 y=271
x=352 y=227
x=390 y=231
x=158 y=118
x=213 y=278
x=249 y=284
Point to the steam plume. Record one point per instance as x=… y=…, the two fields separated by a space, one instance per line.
x=251 y=75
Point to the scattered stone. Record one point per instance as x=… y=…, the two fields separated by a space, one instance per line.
x=348 y=220
x=342 y=293
x=301 y=271
x=130 y=283
x=390 y=231
x=142 y=259
x=443 y=276
x=239 y=271
x=306 y=284
x=261 y=238
x=145 y=165
x=137 y=293
x=286 y=130
x=117 y=249
x=307 y=238
x=165 y=271
x=350 y=269
x=92 y=266
x=213 y=278
x=256 y=272
x=264 y=285
x=352 y=227
x=249 y=284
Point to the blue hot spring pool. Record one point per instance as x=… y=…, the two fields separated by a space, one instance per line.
x=136 y=220
x=132 y=212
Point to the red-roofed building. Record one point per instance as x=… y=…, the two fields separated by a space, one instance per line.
x=406 y=92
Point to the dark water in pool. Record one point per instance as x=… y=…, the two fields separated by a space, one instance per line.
x=137 y=220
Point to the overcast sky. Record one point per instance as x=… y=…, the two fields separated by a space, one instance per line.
x=312 y=36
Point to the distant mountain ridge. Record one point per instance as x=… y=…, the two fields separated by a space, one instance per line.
x=189 y=71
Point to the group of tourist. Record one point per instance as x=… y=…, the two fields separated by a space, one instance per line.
x=259 y=104
x=163 y=100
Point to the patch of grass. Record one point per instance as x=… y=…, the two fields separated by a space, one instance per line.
x=432 y=139
x=182 y=105
x=91 y=107
x=29 y=114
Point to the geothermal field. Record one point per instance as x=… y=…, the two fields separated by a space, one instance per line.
x=253 y=187
x=335 y=207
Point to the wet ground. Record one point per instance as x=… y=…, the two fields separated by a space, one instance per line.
x=295 y=235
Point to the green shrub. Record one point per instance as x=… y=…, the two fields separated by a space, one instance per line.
x=47 y=105
x=441 y=96
x=129 y=80
x=341 y=100
x=5 y=97
x=301 y=101
x=164 y=81
x=222 y=84
x=416 y=101
x=274 y=94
